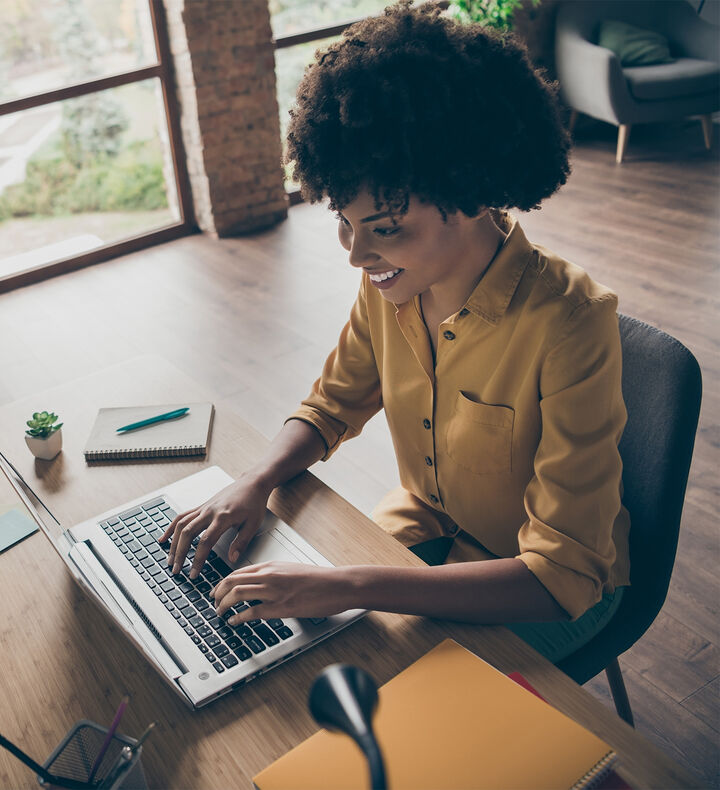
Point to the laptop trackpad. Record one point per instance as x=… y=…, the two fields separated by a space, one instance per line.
x=266 y=546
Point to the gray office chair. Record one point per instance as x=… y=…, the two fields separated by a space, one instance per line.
x=593 y=82
x=662 y=387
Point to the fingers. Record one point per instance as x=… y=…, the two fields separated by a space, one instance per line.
x=239 y=544
x=242 y=539
x=236 y=594
x=208 y=539
x=243 y=576
x=188 y=526
x=173 y=525
x=169 y=531
x=261 y=611
x=174 y=530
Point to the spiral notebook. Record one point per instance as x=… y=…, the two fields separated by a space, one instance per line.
x=451 y=721
x=187 y=435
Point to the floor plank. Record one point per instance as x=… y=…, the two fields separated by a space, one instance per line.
x=703 y=704
x=674 y=658
x=689 y=740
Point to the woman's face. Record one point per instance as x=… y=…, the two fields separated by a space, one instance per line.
x=410 y=256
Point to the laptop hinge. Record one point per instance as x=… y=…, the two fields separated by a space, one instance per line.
x=138 y=626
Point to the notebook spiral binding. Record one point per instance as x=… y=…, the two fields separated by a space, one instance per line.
x=144 y=452
x=596 y=774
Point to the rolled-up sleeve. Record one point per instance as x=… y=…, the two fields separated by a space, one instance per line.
x=573 y=498
x=348 y=393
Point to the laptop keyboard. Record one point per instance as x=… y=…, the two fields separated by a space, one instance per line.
x=136 y=532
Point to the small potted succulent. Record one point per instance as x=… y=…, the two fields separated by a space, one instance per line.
x=44 y=437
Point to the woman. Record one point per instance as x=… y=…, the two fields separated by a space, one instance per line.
x=496 y=361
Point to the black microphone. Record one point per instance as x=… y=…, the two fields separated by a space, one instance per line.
x=344 y=698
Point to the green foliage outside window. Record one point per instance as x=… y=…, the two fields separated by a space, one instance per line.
x=92 y=125
x=88 y=165
x=130 y=181
x=498 y=14
x=92 y=128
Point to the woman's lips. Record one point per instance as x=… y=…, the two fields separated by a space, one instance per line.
x=389 y=280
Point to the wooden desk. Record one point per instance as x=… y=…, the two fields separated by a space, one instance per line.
x=63 y=661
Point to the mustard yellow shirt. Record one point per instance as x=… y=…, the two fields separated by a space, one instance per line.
x=514 y=431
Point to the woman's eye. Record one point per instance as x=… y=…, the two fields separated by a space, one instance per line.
x=339 y=217
x=385 y=232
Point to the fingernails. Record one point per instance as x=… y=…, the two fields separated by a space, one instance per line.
x=193 y=574
x=176 y=567
x=212 y=593
x=234 y=620
x=171 y=557
x=233 y=556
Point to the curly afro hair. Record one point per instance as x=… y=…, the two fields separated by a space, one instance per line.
x=414 y=103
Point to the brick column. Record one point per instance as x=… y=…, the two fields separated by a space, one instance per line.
x=225 y=78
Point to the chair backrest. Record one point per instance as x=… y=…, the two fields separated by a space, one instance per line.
x=662 y=388
x=585 y=17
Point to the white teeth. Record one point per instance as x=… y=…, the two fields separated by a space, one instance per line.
x=378 y=278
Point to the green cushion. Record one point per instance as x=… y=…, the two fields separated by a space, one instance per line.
x=633 y=45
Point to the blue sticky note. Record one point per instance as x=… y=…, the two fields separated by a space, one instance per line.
x=14 y=526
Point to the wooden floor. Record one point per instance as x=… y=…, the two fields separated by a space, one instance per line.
x=255 y=317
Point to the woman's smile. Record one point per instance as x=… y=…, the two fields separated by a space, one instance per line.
x=384 y=279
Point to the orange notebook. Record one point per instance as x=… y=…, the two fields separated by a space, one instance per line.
x=451 y=721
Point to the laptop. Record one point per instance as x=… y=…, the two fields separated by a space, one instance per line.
x=117 y=561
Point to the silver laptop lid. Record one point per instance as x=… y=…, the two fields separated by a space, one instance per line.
x=87 y=572
x=60 y=538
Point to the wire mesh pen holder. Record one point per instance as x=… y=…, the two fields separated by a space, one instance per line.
x=74 y=758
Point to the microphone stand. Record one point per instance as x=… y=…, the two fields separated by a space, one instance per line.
x=371 y=750
x=344 y=698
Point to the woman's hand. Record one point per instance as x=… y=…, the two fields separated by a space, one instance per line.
x=241 y=504
x=283 y=589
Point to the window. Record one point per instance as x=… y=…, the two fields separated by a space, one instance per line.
x=300 y=27
x=90 y=164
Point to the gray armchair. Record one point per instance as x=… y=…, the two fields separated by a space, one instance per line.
x=593 y=82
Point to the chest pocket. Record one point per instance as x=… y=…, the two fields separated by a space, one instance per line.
x=479 y=436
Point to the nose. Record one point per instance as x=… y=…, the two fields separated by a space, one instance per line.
x=360 y=252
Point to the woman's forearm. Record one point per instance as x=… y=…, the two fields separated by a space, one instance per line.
x=297 y=446
x=489 y=592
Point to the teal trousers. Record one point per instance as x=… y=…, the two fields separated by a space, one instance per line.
x=554 y=640
x=558 y=639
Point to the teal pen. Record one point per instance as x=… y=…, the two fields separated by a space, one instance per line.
x=150 y=420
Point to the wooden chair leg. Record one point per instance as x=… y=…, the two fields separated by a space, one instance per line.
x=618 y=691
x=706 y=121
x=623 y=135
x=573 y=119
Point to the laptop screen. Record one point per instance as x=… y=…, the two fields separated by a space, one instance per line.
x=39 y=512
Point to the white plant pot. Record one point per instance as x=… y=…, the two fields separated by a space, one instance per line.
x=46 y=449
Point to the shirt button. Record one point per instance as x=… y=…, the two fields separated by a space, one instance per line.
x=464 y=311
x=448 y=335
x=428 y=460
x=426 y=423
x=452 y=530
x=433 y=499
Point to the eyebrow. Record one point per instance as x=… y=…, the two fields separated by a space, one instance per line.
x=373 y=217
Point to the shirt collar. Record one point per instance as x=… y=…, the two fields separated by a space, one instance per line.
x=493 y=293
